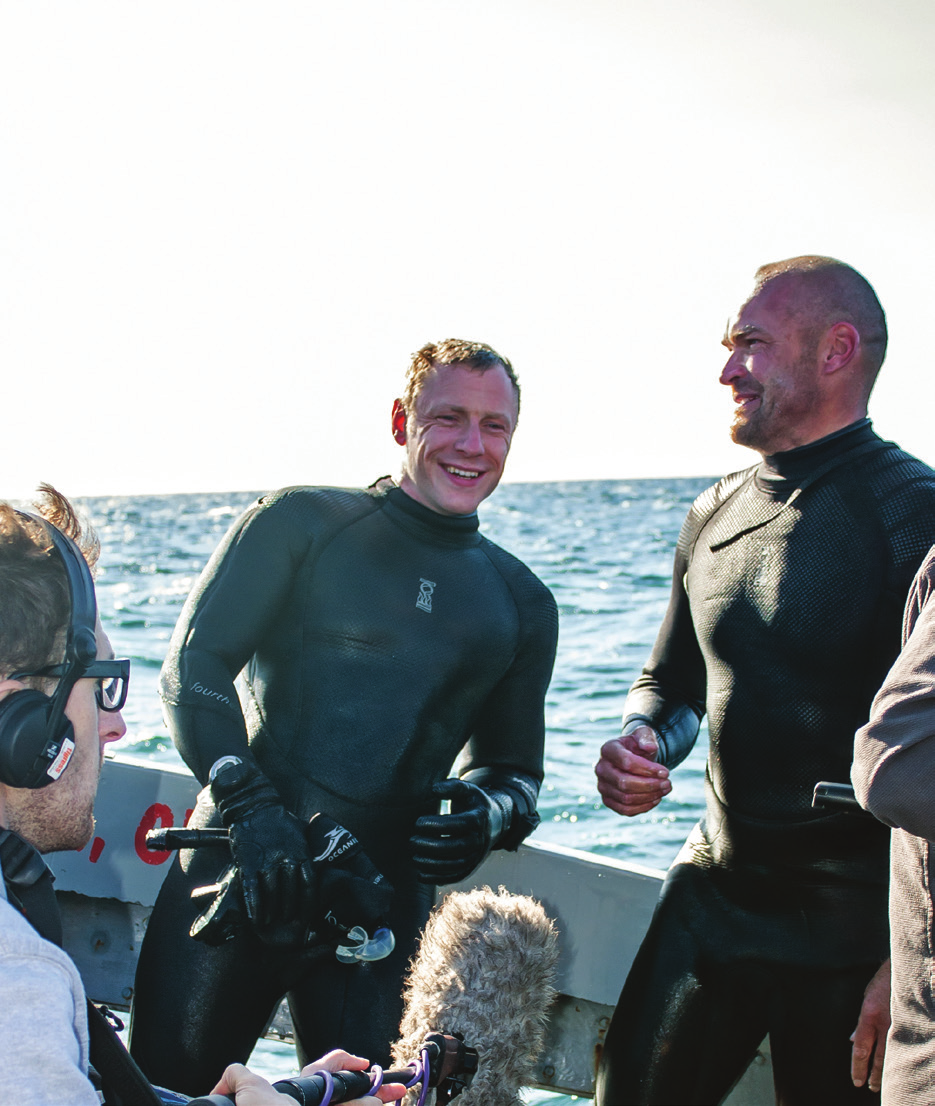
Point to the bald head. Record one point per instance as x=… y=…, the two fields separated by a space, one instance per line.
x=805 y=349
x=821 y=291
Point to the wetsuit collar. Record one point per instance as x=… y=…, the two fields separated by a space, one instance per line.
x=419 y=520
x=779 y=474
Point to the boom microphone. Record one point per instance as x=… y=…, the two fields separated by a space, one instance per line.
x=484 y=972
x=444 y=1062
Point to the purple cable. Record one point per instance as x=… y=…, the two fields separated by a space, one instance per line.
x=426 y=1071
x=420 y=1074
x=329 y=1087
x=416 y=1076
x=376 y=1077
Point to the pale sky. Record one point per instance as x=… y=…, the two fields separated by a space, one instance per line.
x=225 y=225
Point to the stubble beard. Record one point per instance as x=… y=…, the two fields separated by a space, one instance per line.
x=59 y=817
x=752 y=431
x=783 y=408
x=50 y=827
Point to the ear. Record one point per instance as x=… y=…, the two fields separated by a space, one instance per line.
x=399 y=422
x=7 y=687
x=840 y=347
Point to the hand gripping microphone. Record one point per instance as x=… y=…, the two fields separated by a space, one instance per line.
x=483 y=974
x=444 y=1063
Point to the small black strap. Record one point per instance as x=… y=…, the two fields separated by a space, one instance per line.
x=122 y=1081
x=29 y=887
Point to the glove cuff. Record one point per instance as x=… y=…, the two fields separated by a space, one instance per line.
x=240 y=790
x=515 y=794
x=501 y=811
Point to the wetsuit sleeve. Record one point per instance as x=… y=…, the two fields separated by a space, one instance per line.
x=669 y=695
x=509 y=731
x=894 y=754
x=233 y=605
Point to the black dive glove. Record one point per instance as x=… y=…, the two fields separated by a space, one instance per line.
x=489 y=809
x=351 y=892
x=346 y=892
x=268 y=847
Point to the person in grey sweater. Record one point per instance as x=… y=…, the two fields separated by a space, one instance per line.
x=894 y=778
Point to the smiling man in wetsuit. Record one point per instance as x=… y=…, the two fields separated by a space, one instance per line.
x=784 y=618
x=380 y=636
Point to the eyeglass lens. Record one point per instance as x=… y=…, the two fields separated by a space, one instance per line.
x=111 y=693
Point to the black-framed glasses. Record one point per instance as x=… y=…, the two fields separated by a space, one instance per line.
x=113 y=680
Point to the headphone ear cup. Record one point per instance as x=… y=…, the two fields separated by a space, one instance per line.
x=27 y=749
x=85 y=644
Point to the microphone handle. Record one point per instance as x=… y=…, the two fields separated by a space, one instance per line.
x=309 y=1090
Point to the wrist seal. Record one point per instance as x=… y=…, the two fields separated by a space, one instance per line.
x=516 y=794
x=220 y=765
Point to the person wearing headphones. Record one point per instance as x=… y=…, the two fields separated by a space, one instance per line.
x=61 y=693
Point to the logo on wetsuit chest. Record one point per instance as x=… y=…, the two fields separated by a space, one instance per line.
x=426 y=587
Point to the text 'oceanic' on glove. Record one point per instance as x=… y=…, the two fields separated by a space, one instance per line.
x=268 y=847
x=351 y=892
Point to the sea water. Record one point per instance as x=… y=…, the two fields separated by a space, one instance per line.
x=603 y=547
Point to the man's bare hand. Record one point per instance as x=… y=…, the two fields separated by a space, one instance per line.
x=249 y=1089
x=869 y=1038
x=628 y=778
x=339 y=1060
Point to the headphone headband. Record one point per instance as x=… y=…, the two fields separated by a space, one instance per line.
x=81 y=643
x=36 y=739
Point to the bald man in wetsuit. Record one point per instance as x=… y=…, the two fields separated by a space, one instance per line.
x=380 y=636
x=784 y=618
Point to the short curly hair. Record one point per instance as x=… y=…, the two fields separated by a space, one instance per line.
x=35 y=604
x=452 y=351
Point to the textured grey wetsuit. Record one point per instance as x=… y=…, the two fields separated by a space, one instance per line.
x=785 y=616
x=379 y=639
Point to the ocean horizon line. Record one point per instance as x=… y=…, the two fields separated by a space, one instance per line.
x=581 y=481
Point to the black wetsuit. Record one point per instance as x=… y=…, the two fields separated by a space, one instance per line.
x=787 y=597
x=378 y=639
